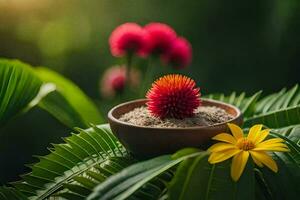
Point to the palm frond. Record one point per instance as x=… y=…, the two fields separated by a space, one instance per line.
x=291 y=132
x=9 y=193
x=82 y=185
x=68 y=102
x=195 y=179
x=245 y=104
x=69 y=164
x=281 y=109
x=278 y=110
x=288 y=175
x=59 y=107
x=18 y=86
x=127 y=183
x=23 y=87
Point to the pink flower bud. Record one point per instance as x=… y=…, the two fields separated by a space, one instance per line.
x=114 y=80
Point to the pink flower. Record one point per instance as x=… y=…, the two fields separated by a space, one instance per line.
x=128 y=38
x=180 y=54
x=160 y=37
x=114 y=80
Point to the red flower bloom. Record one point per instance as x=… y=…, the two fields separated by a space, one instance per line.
x=114 y=80
x=160 y=37
x=173 y=96
x=180 y=55
x=126 y=38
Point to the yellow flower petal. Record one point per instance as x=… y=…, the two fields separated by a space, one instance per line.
x=221 y=146
x=257 y=162
x=217 y=157
x=265 y=159
x=238 y=164
x=277 y=144
x=278 y=148
x=271 y=141
x=254 y=131
x=225 y=137
x=236 y=131
x=261 y=136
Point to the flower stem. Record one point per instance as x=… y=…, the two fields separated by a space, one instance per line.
x=148 y=76
x=128 y=69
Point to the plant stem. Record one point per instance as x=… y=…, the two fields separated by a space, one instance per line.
x=128 y=69
x=148 y=76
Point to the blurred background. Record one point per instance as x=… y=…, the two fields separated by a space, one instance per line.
x=237 y=46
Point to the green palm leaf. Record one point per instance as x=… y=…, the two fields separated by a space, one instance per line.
x=196 y=179
x=125 y=184
x=245 y=104
x=22 y=88
x=18 y=86
x=288 y=176
x=59 y=107
x=9 y=193
x=82 y=153
x=69 y=104
x=281 y=109
x=278 y=110
x=82 y=185
x=291 y=133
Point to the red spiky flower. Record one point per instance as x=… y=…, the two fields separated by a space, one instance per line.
x=173 y=96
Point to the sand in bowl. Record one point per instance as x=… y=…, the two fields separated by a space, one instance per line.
x=204 y=116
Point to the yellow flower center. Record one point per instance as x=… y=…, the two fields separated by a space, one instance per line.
x=245 y=144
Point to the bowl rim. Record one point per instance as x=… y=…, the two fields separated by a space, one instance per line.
x=116 y=120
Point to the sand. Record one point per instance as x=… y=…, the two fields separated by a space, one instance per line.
x=204 y=116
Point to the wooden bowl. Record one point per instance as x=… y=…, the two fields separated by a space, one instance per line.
x=145 y=142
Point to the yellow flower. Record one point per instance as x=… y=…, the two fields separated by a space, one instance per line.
x=239 y=147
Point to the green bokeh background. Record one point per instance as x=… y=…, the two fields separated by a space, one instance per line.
x=237 y=46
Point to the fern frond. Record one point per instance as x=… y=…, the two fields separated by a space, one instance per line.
x=288 y=176
x=278 y=110
x=70 y=164
x=9 y=193
x=245 y=104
